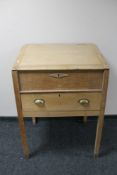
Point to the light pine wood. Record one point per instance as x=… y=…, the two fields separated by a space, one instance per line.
x=58 y=91
x=20 y=115
x=60 y=56
x=100 y=123
x=61 y=101
x=60 y=113
x=34 y=120
x=33 y=80
x=85 y=119
x=60 y=75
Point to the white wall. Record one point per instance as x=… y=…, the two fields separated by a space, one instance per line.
x=64 y=21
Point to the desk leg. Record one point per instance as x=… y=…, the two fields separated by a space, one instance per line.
x=20 y=114
x=23 y=137
x=100 y=124
x=85 y=119
x=34 y=120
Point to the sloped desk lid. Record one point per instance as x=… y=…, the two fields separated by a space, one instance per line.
x=60 y=57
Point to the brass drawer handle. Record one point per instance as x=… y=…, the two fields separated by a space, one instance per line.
x=39 y=101
x=58 y=75
x=84 y=101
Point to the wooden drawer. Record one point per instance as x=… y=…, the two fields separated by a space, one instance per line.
x=61 y=102
x=35 y=80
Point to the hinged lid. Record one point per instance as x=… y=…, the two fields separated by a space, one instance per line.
x=60 y=57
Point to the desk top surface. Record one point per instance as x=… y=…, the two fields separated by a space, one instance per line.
x=60 y=57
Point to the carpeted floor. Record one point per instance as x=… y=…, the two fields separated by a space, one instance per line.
x=59 y=147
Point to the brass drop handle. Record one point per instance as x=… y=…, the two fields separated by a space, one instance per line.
x=39 y=101
x=84 y=101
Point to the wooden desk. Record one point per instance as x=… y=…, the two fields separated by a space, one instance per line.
x=59 y=80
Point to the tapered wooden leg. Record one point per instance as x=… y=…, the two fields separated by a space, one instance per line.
x=23 y=137
x=20 y=114
x=34 y=120
x=100 y=124
x=85 y=119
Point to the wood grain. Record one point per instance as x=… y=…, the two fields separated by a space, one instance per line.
x=61 y=102
x=60 y=113
x=100 y=122
x=60 y=57
x=61 y=75
x=75 y=80
x=20 y=114
x=34 y=120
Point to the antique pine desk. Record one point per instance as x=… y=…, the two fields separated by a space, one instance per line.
x=58 y=80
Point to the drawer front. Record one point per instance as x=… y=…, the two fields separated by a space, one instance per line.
x=60 y=80
x=61 y=102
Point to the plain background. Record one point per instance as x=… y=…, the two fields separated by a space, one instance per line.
x=55 y=21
